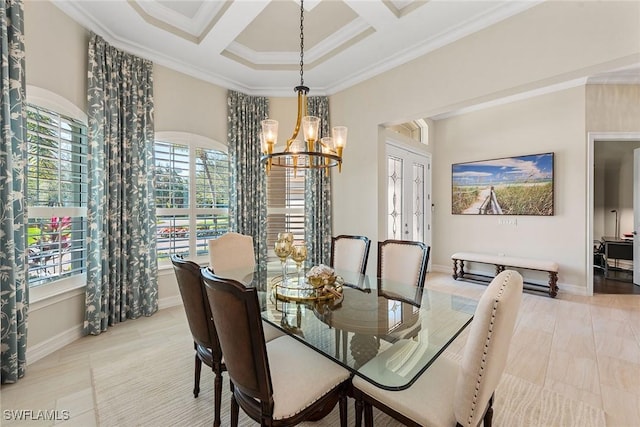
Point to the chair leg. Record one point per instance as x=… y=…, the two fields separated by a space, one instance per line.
x=196 y=386
x=343 y=410
x=358 y=412
x=217 y=396
x=368 y=414
x=488 y=415
x=235 y=409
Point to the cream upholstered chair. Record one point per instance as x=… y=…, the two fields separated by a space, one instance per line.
x=350 y=253
x=402 y=262
x=452 y=393
x=233 y=253
x=282 y=382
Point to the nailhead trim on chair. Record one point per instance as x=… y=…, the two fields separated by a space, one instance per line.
x=474 y=404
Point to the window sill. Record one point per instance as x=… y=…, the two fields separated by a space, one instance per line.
x=54 y=292
x=202 y=261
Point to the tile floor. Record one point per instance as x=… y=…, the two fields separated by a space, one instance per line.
x=585 y=348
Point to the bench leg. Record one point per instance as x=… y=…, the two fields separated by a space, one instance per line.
x=455 y=269
x=553 y=284
x=499 y=269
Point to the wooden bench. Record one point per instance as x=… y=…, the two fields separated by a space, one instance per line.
x=503 y=262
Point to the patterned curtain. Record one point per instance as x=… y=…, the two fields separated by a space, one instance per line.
x=122 y=280
x=248 y=201
x=13 y=211
x=317 y=199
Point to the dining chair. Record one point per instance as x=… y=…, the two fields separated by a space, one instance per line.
x=232 y=256
x=279 y=383
x=401 y=263
x=231 y=251
x=350 y=253
x=203 y=330
x=449 y=392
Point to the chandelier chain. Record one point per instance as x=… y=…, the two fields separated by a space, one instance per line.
x=301 y=42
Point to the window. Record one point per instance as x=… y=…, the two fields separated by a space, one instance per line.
x=56 y=195
x=285 y=205
x=192 y=194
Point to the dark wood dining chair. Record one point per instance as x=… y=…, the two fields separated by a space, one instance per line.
x=279 y=383
x=203 y=330
x=350 y=253
x=401 y=263
x=449 y=392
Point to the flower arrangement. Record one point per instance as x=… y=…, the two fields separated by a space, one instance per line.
x=321 y=275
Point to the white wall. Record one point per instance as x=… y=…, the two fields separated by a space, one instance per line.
x=551 y=43
x=549 y=123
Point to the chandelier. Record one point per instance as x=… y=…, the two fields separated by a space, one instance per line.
x=313 y=152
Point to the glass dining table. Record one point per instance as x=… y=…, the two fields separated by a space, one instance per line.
x=387 y=333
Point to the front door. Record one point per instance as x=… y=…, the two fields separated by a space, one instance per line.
x=408 y=195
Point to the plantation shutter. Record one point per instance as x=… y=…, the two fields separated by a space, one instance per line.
x=285 y=205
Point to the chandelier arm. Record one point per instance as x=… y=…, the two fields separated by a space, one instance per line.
x=322 y=144
x=302 y=111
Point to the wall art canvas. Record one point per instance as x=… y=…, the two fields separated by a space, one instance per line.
x=521 y=185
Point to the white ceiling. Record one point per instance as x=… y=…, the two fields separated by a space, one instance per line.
x=253 y=45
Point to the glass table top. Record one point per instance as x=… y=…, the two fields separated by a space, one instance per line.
x=387 y=333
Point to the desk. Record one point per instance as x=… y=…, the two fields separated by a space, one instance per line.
x=391 y=338
x=616 y=249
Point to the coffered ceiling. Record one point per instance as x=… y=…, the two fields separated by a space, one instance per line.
x=254 y=45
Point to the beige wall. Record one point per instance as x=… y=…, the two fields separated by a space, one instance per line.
x=185 y=104
x=56 y=52
x=548 y=123
x=613 y=108
x=511 y=57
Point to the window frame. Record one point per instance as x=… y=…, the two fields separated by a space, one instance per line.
x=193 y=141
x=46 y=99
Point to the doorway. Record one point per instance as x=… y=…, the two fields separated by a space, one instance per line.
x=408 y=213
x=612 y=217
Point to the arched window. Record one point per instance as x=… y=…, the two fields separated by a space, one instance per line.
x=192 y=194
x=56 y=188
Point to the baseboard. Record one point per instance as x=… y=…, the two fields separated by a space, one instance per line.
x=441 y=268
x=65 y=338
x=54 y=343
x=169 y=302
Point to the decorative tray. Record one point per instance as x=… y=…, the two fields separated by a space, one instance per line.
x=294 y=291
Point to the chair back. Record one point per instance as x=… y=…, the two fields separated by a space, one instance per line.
x=402 y=262
x=231 y=252
x=236 y=313
x=487 y=347
x=350 y=253
x=196 y=305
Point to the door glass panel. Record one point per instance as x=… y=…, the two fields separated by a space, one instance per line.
x=394 y=226
x=418 y=201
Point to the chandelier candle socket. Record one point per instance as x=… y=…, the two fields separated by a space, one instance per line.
x=292 y=156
